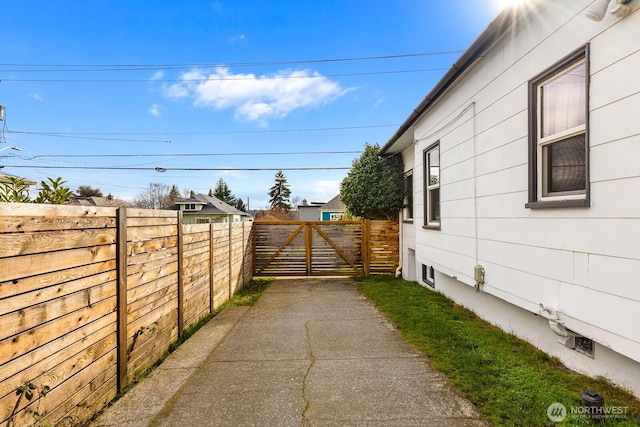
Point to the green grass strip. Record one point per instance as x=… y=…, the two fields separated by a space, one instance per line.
x=511 y=382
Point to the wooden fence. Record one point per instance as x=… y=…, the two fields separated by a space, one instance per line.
x=89 y=297
x=315 y=248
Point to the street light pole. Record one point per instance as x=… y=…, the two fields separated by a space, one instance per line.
x=12 y=147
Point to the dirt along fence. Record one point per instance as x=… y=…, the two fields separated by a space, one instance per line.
x=89 y=297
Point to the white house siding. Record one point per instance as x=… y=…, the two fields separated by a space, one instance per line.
x=584 y=262
x=407 y=228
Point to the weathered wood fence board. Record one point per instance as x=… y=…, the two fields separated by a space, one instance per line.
x=384 y=249
x=91 y=296
x=196 y=267
x=57 y=304
x=150 y=328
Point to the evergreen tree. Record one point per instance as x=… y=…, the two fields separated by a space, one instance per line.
x=240 y=205
x=280 y=192
x=223 y=192
x=174 y=196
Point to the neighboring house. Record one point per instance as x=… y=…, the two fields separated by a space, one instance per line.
x=108 y=201
x=333 y=210
x=310 y=212
x=203 y=209
x=524 y=162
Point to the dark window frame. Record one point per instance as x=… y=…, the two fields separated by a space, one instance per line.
x=429 y=275
x=581 y=54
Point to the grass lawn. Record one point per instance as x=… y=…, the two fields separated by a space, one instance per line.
x=511 y=382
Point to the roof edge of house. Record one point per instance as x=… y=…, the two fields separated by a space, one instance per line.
x=495 y=30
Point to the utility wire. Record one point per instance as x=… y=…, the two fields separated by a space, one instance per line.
x=98 y=135
x=290 y=153
x=238 y=132
x=162 y=169
x=204 y=79
x=97 y=138
x=158 y=67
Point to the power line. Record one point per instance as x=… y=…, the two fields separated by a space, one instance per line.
x=159 y=67
x=238 y=132
x=100 y=135
x=290 y=153
x=204 y=79
x=162 y=169
x=97 y=138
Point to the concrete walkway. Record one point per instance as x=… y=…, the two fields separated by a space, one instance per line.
x=310 y=352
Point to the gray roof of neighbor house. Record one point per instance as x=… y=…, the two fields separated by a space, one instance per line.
x=496 y=29
x=334 y=204
x=108 y=201
x=211 y=205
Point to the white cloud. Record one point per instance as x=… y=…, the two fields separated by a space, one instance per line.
x=324 y=190
x=156 y=110
x=36 y=96
x=255 y=98
x=379 y=101
x=157 y=75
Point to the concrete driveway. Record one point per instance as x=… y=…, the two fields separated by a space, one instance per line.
x=310 y=352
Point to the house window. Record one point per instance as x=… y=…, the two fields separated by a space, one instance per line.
x=432 y=186
x=429 y=275
x=335 y=216
x=407 y=212
x=558 y=134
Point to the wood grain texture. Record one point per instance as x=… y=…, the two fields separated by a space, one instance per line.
x=89 y=297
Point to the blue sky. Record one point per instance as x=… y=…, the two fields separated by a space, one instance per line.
x=95 y=89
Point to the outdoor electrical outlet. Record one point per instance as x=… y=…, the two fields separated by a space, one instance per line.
x=478 y=274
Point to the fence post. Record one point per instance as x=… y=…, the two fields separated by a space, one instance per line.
x=180 y=277
x=254 y=244
x=242 y=257
x=366 y=244
x=211 y=269
x=308 y=243
x=121 y=304
x=230 y=265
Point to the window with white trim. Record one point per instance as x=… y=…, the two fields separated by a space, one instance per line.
x=432 y=186
x=558 y=132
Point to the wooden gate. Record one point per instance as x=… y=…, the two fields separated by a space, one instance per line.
x=336 y=248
